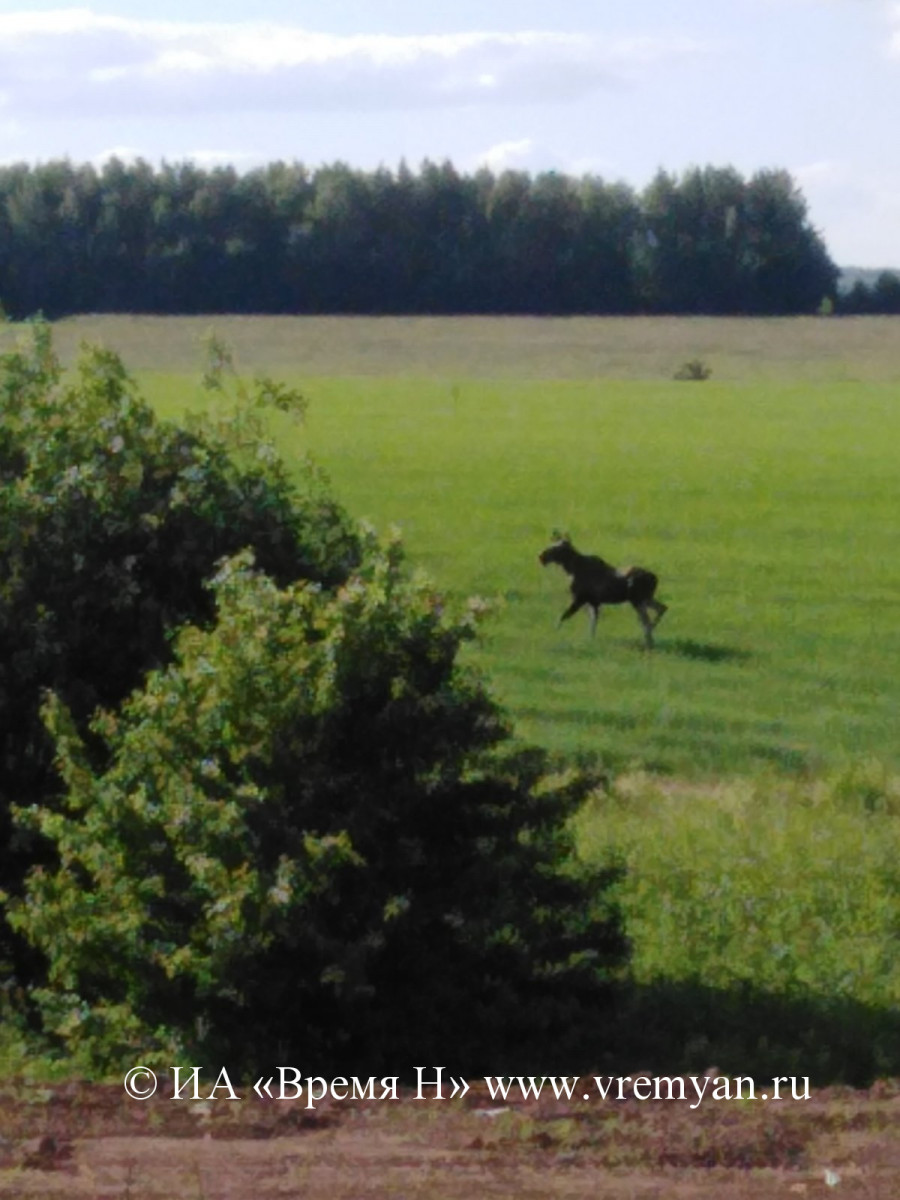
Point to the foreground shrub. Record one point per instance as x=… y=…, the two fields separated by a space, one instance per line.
x=110 y=522
x=305 y=845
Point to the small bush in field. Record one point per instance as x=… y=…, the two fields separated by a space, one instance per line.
x=695 y=369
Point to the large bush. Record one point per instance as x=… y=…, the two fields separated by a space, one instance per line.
x=295 y=830
x=110 y=522
x=302 y=846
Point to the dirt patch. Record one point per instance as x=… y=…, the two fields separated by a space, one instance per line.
x=90 y=1141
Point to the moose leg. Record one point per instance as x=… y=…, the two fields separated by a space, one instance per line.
x=659 y=608
x=595 y=613
x=641 y=610
x=572 y=610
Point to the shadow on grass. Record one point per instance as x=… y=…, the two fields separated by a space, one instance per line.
x=672 y=1028
x=667 y=1029
x=711 y=652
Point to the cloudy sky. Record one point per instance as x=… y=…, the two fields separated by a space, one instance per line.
x=579 y=86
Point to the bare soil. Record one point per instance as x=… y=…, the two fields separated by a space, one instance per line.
x=91 y=1141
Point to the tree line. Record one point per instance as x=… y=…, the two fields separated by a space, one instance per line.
x=881 y=295
x=289 y=239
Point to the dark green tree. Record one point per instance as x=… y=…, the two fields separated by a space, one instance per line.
x=716 y=243
x=886 y=293
x=786 y=260
x=604 y=279
x=284 y=239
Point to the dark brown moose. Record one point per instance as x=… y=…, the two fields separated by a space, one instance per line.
x=595 y=583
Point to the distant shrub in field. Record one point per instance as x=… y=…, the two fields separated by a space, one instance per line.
x=694 y=369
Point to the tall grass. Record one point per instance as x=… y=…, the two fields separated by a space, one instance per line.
x=773 y=884
x=764 y=918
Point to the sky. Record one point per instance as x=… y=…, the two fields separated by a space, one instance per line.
x=579 y=86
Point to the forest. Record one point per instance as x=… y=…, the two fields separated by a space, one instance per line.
x=285 y=238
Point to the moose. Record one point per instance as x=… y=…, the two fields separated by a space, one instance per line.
x=595 y=583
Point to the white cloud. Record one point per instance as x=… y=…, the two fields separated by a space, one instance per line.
x=75 y=62
x=859 y=205
x=507 y=155
x=526 y=154
x=881 y=10
x=827 y=173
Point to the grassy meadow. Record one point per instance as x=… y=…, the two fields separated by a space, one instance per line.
x=767 y=511
x=755 y=797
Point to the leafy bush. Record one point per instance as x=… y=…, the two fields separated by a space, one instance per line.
x=110 y=521
x=303 y=845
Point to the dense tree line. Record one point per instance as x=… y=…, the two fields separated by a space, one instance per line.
x=287 y=239
x=881 y=296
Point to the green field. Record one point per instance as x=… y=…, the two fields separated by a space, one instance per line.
x=765 y=499
x=756 y=797
x=767 y=510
